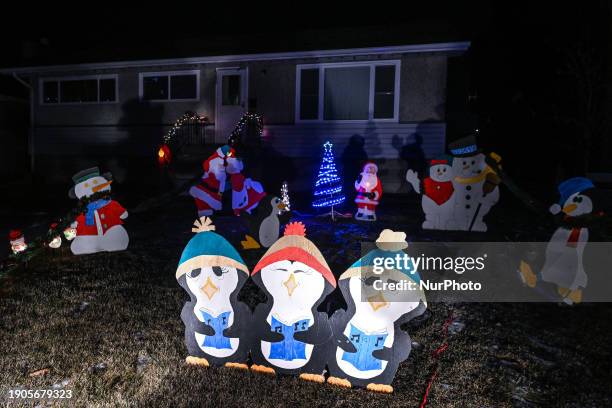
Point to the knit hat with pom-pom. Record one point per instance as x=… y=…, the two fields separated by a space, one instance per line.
x=206 y=249
x=294 y=246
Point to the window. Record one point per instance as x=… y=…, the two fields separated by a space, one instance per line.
x=77 y=90
x=348 y=91
x=170 y=86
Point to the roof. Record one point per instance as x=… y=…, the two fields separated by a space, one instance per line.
x=457 y=47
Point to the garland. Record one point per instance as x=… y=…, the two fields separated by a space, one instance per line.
x=34 y=248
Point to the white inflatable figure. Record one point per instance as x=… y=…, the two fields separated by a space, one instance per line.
x=290 y=335
x=246 y=193
x=563 y=265
x=437 y=201
x=17 y=240
x=212 y=272
x=56 y=241
x=370 y=343
x=475 y=184
x=100 y=227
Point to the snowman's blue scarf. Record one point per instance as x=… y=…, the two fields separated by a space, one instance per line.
x=91 y=208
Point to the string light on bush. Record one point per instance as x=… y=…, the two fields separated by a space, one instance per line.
x=187 y=117
x=248 y=119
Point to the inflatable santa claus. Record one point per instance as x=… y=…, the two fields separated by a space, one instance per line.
x=208 y=193
x=369 y=191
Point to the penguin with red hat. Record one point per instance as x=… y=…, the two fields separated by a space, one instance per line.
x=290 y=336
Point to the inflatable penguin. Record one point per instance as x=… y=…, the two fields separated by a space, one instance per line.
x=99 y=228
x=264 y=223
x=369 y=343
x=437 y=201
x=212 y=272
x=475 y=184
x=290 y=336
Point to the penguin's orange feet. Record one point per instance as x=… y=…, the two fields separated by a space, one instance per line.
x=527 y=274
x=263 y=369
x=339 y=382
x=383 y=388
x=238 y=366
x=197 y=361
x=250 y=243
x=317 y=378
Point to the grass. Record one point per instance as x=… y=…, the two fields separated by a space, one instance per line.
x=69 y=314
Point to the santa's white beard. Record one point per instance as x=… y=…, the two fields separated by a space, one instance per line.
x=368 y=181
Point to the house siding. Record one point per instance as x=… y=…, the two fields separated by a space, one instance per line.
x=106 y=134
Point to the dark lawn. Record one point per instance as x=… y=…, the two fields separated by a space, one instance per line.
x=109 y=325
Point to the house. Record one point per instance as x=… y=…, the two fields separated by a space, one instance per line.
x=115 y=113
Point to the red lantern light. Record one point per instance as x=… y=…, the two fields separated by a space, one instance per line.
x=164 y=155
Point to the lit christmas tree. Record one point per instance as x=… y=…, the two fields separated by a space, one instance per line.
x=328 y=187
x=285 y=198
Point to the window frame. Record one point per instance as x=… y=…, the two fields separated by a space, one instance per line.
x=143 y=75
x=321 y=109
x=41 y=82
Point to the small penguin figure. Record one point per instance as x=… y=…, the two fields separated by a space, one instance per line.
x=264 y=223
x=369 y=343
x=290 y=336
x=563 y=265
x=212 y=272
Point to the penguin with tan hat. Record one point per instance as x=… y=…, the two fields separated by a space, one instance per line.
x=369 y=343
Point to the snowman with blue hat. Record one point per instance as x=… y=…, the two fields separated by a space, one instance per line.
x=563 y=266
x=212 y=272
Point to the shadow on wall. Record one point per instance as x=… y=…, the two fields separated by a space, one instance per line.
x=411 y=154
x=353 y=158
x=141 y=128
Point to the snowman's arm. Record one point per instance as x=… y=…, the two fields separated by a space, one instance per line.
x=413 y=178
x=74 y=224
x=124 y=215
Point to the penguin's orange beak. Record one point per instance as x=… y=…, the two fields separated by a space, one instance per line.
x=101 y=186
x=569 y=208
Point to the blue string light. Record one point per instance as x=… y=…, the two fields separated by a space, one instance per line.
x=328 y=185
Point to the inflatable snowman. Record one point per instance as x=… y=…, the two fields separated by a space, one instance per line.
x=99 y=228
x=437 y=201
x=475 y=184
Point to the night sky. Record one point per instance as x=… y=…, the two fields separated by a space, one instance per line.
x=535 y=80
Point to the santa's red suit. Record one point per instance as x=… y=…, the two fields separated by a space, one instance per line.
x=246 y=193
x=105 y=218
x=369 y=191
x=207 y=194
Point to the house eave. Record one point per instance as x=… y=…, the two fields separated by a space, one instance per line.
x=449 y=47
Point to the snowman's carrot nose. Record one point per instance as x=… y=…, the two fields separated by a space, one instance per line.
x=101 y=186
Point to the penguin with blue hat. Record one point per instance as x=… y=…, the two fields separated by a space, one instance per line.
x=563 y=265
x=212 y=272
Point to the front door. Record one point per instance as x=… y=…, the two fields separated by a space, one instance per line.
x=230 y=101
